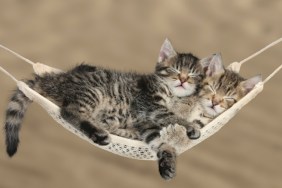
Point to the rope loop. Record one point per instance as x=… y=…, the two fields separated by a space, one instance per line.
x=237 y=65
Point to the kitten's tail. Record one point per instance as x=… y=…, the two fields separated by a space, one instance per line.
x=14 y=115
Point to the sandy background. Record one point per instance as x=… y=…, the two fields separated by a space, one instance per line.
x=127 y=35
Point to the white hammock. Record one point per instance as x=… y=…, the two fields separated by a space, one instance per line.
x=132 y=148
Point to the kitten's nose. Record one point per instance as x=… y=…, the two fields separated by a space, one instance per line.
x=215 y=100
x=183 y=78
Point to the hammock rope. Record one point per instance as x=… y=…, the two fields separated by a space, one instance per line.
x=272 y=74
x=8 y=74
x=136 y=149
x=260 y=51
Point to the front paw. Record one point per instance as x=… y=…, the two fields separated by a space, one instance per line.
x=101 y=137
x=167 y=165
x=193 y=133
x=97 y=135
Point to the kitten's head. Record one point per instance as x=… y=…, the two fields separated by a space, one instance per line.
x=222 y=88
x=182 y=72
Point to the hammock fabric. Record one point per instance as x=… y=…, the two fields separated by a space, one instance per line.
x=136 y=149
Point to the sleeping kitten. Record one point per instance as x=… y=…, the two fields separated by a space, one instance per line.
x=97 y=101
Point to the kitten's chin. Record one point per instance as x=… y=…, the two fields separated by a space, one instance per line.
x=183 y=90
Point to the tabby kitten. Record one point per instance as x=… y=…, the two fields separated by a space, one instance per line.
x=97 y=101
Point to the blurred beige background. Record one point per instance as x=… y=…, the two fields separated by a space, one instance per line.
x=127 y=35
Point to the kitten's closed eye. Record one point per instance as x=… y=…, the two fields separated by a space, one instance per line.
x=168 y=71
x=171 y=70
x=193 y=75
x=230 y=100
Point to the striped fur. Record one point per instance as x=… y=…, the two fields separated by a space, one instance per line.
x=98 y=101
x=14 y=115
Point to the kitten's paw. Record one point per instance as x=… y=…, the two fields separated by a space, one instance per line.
x=193 y=133
x=166 y=165
x=101 y=137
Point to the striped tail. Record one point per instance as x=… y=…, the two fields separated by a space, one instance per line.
x=14 y=117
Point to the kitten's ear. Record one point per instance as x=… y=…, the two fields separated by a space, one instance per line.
x=214 y=65
x=250 y=83
x=205 y=62
x=166 y=51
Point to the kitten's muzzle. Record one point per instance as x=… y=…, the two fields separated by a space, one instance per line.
x=215 y=101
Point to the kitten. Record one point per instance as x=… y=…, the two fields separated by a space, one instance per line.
x=97 y=101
